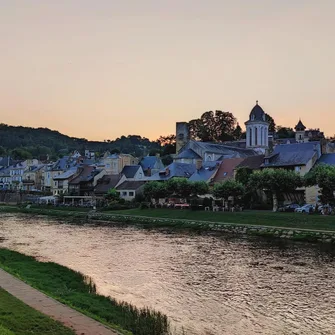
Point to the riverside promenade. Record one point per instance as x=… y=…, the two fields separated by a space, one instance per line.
x=80 y=323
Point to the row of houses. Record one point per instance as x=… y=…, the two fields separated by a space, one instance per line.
x=85 y=175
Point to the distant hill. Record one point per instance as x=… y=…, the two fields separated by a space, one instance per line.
x=26 y=142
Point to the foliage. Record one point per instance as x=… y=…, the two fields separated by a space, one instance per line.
x=24 y=142
x=228 y=188
x=285 y=132
x=323 y=176
x=212 y=126
x=243 y=175
x=276 y=181
x=199 y=188
x=112 y=195
x=21 y=319
x=154 y=190
x=272 y=124
x=75 y=289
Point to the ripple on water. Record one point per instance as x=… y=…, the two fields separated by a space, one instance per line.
x=206 y=284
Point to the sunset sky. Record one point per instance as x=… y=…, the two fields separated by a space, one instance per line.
x=105 y=68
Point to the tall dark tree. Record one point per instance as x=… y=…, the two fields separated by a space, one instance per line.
x=272 y=126
x=212 y=126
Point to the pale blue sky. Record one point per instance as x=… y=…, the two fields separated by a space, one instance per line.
x=101 y=69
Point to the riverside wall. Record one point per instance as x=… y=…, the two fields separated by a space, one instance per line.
x=152 y=222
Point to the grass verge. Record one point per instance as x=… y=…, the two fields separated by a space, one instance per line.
x=264 y=218
x=20 y=319
x=74 y=289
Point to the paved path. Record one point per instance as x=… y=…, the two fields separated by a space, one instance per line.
x=80 y=323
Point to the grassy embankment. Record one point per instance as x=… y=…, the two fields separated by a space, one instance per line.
x=16 y=318
x=77 y=291
x=264 y=218
x=247 y=218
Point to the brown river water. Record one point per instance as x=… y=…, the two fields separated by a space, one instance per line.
x=207 y=284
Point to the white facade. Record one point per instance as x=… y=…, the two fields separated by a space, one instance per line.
x=257 y=134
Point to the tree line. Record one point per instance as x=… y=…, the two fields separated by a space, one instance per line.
x=275 y=182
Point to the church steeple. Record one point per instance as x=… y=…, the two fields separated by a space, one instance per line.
x=257 y=129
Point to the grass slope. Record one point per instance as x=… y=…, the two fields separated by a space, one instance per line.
x=20 y=319
x=75 y=290
x=265 y=218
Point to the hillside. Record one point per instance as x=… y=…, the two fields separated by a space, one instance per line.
x=26 y=142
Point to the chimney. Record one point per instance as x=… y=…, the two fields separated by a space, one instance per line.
x=149 y=171
x=198 y=164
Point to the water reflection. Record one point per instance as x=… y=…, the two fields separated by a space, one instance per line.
x=207 y=283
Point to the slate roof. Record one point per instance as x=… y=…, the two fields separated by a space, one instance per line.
x=188 y=154
x=6 y=161
x=253 y=163
x=107 y=182
x=226 y=169
x=65 y=175
x=204 y=174
x=63 y=162
x=327 y=159
x=5 y=172
x=130 y=170
x=175 y=169
x=130 y=185
x=225 y=150
x=87 y=174
x=300 y=126
x=258 y=113
x=150 y=162
x=292 y=154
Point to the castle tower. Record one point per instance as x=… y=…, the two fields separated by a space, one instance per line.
x=257 y=129
x=182 y=135
x=300 y=132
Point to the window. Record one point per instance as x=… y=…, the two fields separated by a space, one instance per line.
x=250 y=137
x=298 y=168
x=131 y=194
x=256 y=136
x=124 y=193
x=140 y=175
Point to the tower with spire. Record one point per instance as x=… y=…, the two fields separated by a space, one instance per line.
x=257 y=136
x=300 y=132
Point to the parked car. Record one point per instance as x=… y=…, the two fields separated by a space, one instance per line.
x=305 y=209
x=289 y=208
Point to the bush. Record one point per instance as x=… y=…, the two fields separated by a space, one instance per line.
x=144 y=205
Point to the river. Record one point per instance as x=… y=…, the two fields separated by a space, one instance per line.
x=207 y=284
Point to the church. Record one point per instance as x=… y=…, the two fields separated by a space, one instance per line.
x=256 y=143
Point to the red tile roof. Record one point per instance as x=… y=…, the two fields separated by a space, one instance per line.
x=226 y=169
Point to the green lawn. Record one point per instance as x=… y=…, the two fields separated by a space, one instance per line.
x=75 y=290
x=16 y=318
x=266 y=218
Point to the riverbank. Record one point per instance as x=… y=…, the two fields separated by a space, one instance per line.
x=77 y=291
x=16 y=318
x=296 y=226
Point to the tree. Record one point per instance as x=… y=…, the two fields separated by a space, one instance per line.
x=199 y=188
x=2 y=151
x=276 y=181
x=243 y=175
x=179 y=187
x=238 y=133
x=155 y=190
x=285 y=132
x=272 y=124
x=324 y=176
x=212 y=126
x=228 y=188
x=112 y=195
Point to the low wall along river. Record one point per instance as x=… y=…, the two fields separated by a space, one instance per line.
x=207 y=283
